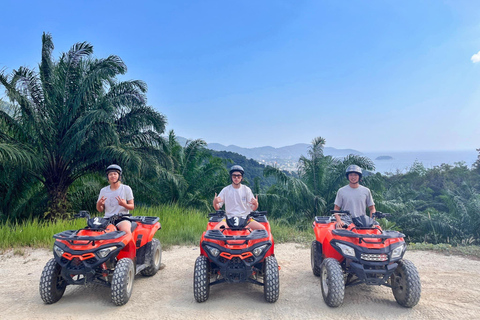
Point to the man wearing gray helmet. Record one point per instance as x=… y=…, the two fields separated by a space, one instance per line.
x=238 y=199
x=117 y=198
x=353 y=197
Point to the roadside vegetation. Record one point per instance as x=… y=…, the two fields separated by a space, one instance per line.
x=179 y=227
x=63 y=123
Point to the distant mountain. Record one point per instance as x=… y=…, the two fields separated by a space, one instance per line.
x=285 y=158
x=292 y=152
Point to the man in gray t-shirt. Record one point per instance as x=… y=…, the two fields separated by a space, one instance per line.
x=353 y=197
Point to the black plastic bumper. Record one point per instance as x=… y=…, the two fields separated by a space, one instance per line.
x=237 y=268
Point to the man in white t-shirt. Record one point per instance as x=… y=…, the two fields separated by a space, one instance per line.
x=353 y=197
x=116 y=198
x=238 y=199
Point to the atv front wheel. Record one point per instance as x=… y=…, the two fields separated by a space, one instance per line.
x=52 y=285
x=154 y=259
x=406 y=286
x=271 y=282
x=201 y=279
x=122 y=281
x=316 y=258
x=333 y=286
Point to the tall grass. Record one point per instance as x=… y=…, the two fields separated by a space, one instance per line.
x=180 y=226
x=34 y=233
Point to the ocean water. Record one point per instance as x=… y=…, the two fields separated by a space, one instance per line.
x=402 y=161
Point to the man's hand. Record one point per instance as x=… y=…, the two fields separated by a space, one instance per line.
x=216 y=202
x=101 y=204
x=121 y=201
x=254 y=202
x=339 y=223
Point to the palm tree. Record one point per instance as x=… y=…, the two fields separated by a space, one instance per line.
x=315 y=189
x=196 y=174
x=73 y=117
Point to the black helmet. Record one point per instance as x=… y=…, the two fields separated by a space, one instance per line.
x=236 y=168
x=114 y=167
x=354 y=169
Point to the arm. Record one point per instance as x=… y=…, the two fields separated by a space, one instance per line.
x=372 y=210
x=339 y=223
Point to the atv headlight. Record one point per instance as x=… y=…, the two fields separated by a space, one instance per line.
x=258 y=250
x=346 y=250
x=58 y=251
x=397 y=252
x=102 y=253
x=213 y=251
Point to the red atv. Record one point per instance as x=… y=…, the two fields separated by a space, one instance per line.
x=236 y=254
x=100 y=253
x=362 y=253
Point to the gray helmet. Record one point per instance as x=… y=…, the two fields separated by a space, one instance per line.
x=114 y=167
x=354 y=169
x=236 y=168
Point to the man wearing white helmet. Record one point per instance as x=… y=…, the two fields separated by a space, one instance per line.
x=238 y=199
x=117 y=198
x=353 y=197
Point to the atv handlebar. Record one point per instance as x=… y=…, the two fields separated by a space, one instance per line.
x=380 y=215
x=221 y=213
x=82 y=214
x=377 y=214
x=340 y=211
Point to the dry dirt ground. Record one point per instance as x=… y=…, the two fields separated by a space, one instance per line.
x=450 y=290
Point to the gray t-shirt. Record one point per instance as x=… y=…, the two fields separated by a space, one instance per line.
x=237 y=201
x=111 y=204
x=355 y=200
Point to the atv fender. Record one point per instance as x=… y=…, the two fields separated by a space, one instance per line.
x=129 y=251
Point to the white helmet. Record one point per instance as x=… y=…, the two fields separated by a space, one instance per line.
x=354 y=169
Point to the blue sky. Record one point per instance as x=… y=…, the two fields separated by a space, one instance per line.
x=367 y=75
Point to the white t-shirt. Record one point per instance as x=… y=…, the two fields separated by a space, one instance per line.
x=237 y=201
x=111 y=204
x=355 y=200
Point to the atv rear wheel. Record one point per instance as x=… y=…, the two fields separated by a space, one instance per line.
x=52 y=284
x=406 y=286
x=154 y=259
x=333 y=286
x=271 y=281
x=316 y=258
x=122 y=281
x=201 y=279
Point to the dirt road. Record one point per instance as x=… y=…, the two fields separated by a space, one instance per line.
x=450 y=290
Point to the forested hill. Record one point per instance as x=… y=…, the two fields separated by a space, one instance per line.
x=252 y=168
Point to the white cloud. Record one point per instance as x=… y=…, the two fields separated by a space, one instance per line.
x=476 y=57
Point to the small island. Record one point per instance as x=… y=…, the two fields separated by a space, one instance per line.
x=383 y=158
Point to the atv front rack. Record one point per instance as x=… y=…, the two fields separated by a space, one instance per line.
x=389 y=234
x=71 y=236
x=218 y=235
x=144 y=219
